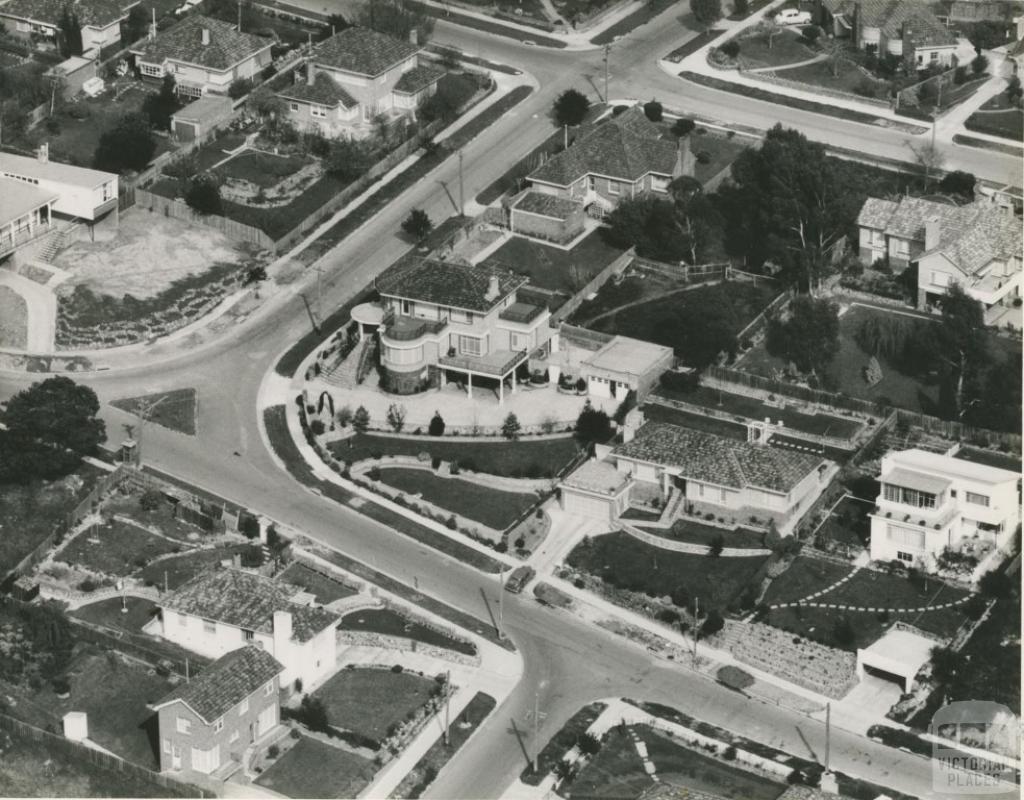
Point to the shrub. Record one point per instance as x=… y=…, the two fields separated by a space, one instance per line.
x=273 y=751
x=397 y=668
x=653 y=110
x=436 y=427
x=151 y=500
x=730 y=753
x=683 y=126
x=451 y=523
x=298 y=685
x=344 y=416
x=714 y=622
x=717 y=546
x=734 y=677
x=239 y=87
x=316 y=427
x=396 y=417
x=361 y=419
x=960 y=75
x=203 y=196
x=811 y=33
x=731 y=48
x=589 y=744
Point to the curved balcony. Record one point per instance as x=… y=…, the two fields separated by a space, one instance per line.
x=406 y=329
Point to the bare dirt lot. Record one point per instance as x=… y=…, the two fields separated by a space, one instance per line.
x=13 y=317
x=146 y=254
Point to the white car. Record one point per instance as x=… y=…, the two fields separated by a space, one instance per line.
x=793 y=16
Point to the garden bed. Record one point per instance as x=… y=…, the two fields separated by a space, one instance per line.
x=687 y=530
x=561 y=742
x=656 y=412
x=391 y=623
x=787 y=47
x=117 y=548
x=371 y=702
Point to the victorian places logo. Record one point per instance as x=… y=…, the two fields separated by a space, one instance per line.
x=975 y=748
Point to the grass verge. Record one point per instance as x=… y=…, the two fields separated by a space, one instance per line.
x=562 y=741
x=447 y=15
x=631 y=22
x=391 y=623
x=985 y=144
x=176 y=409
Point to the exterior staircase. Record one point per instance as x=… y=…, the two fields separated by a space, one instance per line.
x=56 y=241
x=343 y=375
x=675 y=503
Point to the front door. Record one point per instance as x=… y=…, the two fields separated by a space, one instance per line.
x=175 y=757
x=267 y=721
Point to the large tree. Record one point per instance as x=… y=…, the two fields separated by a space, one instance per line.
x=651 y=225
x=570 y=108
x=69 y=33
x=160 y=106
x=396 y=18
x=964 y=348
x=129 y=145
x=47 y=429
x=809 y=336
x=706 y=12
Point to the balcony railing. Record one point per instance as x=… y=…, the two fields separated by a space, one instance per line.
x=495 y=365
x=400 y=328
x=11 y=242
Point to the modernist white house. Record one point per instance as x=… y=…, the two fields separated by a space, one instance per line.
x=25 y=214
x=929 y=502
x=221 y=610
x=87 y=195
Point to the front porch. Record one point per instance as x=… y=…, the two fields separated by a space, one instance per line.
x=500 y=366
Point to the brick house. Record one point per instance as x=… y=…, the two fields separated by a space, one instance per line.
x=908 y=29
x=977 y=246
x=203 y=54
x=355 y=76
x=623 y=156
x=100 y=20
x=210 y=721
x=223 y=610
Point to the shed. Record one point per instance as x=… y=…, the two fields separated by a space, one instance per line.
x=899 y=654
x=200 y=117
x=597 y=490
x=75 y=71
x=623 y=365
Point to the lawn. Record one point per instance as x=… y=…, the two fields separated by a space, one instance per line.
x=848 y=527
x=786 y=48
x=644 y=14
x=13 y=319
x=1009 y=124
x=119 y=548
x=33 y=511
x=714 y=152
x=548 y=267
x=491 y=507
x=542 y=458
x=161 y=518
x=751 y=408
x=655 y=412
x=326 y=588
x=391 y=623
x=175 y=409
x=805 y=576
x=108 y=613
x=620 y=560
x=848 y=77
x=173 y=572
x=561 y=742
x=315 y=769
x=688 y=530
x=260 y=168
x=215 y=151
x=369 y=701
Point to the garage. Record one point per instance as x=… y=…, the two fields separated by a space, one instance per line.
x=595 y=491
x=897 y=657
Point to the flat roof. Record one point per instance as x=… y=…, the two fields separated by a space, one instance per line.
x=18 y=198
x=596 y=476
x=954 y=467
x=900 y=652
x=627 y=356
x=53 y=171
x=916 y=480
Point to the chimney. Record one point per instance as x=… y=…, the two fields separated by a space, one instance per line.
x=932 y=233
x=685 y=161
x=206 y=36
x=282 y=631
x=493 y=288
x=43 y=153
x=76 y=726
x=631 y=424
x=310 y=72
x=414 y=37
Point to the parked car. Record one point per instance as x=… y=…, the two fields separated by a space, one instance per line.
x=519 y=578
x=793 y=16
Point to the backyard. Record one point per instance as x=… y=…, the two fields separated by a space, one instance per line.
x=117 y=548
x=656 y=412
x=523 y=458
x=314 y=769
x=627 y=563
x=847 y=531
x=391 y=623
x=109 y=614
x=369 y=702
x=172 y=572
x=494 y=508
x=325 y=588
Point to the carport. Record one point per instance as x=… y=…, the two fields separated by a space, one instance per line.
x=897 y=656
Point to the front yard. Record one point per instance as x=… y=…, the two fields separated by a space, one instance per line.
x=372 y=702
x=1008 y=123
x=325 y=588
x=787 y=47
x=391 y=623
x=174 y=571
x=314 y=769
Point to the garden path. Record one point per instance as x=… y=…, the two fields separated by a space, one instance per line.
x=794 y=65
x=41 y=305
x=643 y=300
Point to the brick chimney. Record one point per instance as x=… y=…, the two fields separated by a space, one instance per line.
x=493 y=288
x=43 y=153
x=414 y=37
x=932 y=233
x=206 y=36
x=282 y=632
x=686 y=163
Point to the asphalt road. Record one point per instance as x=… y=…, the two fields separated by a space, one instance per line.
x=568 y=662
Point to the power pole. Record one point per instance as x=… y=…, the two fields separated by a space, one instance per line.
x=239 y=16
x=447 y=706
x=462 y=197
x=828 y=734
x=144 y=410
x=501 y=603
x=565 y=137
x=696 y=625
x=536 y=729
x=607 y=50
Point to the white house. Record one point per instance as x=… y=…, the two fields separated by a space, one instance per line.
x=25 y=214
x=99 y=20
x=221 y=610
x=930 y=502
x=82 y=194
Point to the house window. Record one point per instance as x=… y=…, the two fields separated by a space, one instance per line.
x=317 y=111
x=243 y=707
x=909 y=497
x=471 y=346
x=976 y=499
x=458 y=315
x=907 y=537
x=933 y=55
x=700 y=489
x=902 y=247
x=218 y=725
x=268 y=689
x=406 y=307
x=234 y=737
x=151 y=70
x=613 y=187
x=902 y=556
x=248 y=635
x=293 y=106
x=518 y=341
x=722 y=491
x=184 y=725
x=407 y=355
x=940 y=279
x=209 y=626
x=591 y=183
x=24 y=27
x=167 y=746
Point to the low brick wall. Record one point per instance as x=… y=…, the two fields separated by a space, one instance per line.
x=368 y=639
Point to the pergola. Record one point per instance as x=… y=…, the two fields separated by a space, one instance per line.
x=500 y=364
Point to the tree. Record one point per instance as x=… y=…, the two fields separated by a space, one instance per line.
x=683 y=126
x=510 y=428
x=160 y=106
x=716 y=546
x=740 y=8
x=713 y=623
x=769 y=28
x=349 y=159
x=313 y=714
x=699 y=221
x=571 y=108
x=959 y=183
x=653 y=110
x=1013 y=89
x=239 y=88
x=650 y=224
x=809 y=337
x=979 y=64
x=128 y=146
x=396 y=417
x=49 y=428
x=963 y=346
x=151 y=500
x=836 y=52
x=203 y=195
x=929 y=158
x=706 y=12
x=396 y=18
x=593 y=425
x=361 y=420
x=436 y=427
x=417 y=224
x=69 y=33
x=135 y=26
x=996 y=584
x=873 y=372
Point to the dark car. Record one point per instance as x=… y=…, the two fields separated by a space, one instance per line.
x=519 y=578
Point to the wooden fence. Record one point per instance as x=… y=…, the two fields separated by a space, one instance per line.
x=761 y=320
x=614 y=268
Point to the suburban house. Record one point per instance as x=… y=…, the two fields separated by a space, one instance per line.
x=929 y=502
x=86 y=195
x=623 y=156
x=222 y=610
x=207 y=723
x=25 y=214
x=355 y=76
x=714 y=474
x=203 y=54
x=100 y=20
x=977 y=246
x=440 y=320
x=905 y=28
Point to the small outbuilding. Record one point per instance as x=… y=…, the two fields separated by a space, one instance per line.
x=898 y=655
x=74 y=72
x=623 y=365
x=200 y=117
x=597 y=490
x=546 y=216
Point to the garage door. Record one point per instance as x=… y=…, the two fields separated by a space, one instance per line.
x=585 y=505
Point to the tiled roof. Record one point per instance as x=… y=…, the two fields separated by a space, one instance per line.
x=626 y=147
x=717 y=460
x=324 y=91
x=226 y=682
x=445 y=283
x=247 y=601
x=890 y=16
x=417 y=79
x=876 y=213
x=184 y=42
x=97 y=13
x=596 y=476
x=547 y=205
x=363 y=51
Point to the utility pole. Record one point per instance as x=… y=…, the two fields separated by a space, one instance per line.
x=565 y=137
x=607 y=50
x=144 y=410
x=239 y=16
x=828 y=734
x=462 y=196
x=501 y=603
x=536 y=729
x=447 y=706
x=696 y=625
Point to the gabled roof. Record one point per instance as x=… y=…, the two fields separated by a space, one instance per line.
x=447 y=284
x=893 y=17
x=225 y=683
x=717 y=460
x=417 y=79
x=324 y=91
x=876 y=213
x=246 y=601
x=94 y=13
x=363 y=51
x=626 y=147
x=184 y=42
